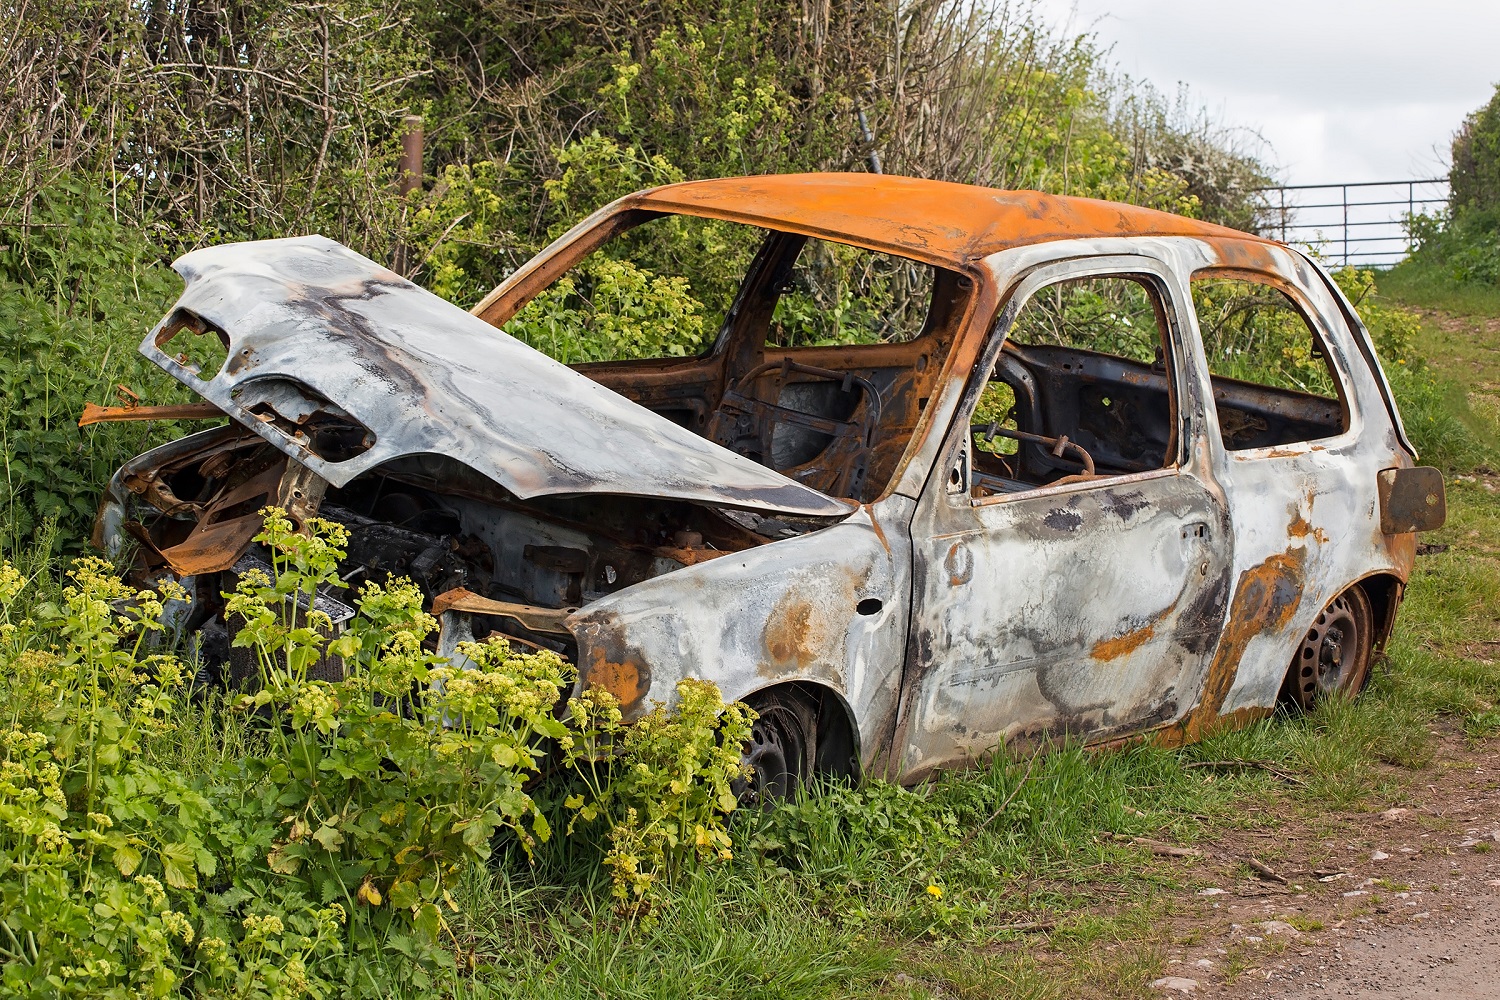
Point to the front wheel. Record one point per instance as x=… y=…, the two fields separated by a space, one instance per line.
x=780 y=752
x=1335 y=656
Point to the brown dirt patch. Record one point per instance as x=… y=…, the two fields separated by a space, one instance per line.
x=1399 y=900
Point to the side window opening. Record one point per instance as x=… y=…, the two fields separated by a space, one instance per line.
x=1083 y=389
x=1272 y=380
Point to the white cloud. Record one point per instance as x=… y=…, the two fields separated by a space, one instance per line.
x=1342 y=91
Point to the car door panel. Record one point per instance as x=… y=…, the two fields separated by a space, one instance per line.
x=1088 y=609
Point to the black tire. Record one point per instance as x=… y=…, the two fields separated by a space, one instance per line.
x=782 y=748
x=1334 y=658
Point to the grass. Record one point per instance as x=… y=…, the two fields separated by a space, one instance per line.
x=1430 y=287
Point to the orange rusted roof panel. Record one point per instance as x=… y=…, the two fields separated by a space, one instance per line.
x=938 y=220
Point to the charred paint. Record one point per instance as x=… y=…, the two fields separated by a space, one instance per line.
x=1059 y=519
x=425 y=377
x=1125 y=505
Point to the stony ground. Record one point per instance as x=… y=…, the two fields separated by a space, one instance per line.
x=1399 y=901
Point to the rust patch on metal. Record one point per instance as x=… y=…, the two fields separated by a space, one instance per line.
x=960 y=564
x=875 y=526
x=795 y=633
x=1265 y=598
x=212 y=548
x=623 y=680
x=1402 y=550
x=93 y=413
x=925 y=218
x=226 y=527
x=1122 y=645
x=687 y=556
x=532 y=617
x=1411 y=500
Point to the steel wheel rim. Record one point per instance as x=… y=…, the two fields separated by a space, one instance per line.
x=1332 y=657
x=773 y=755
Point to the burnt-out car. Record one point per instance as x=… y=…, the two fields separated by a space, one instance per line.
x=916 y=469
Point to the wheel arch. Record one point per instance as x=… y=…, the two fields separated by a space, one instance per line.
x=1385 y=591
x=837 y=744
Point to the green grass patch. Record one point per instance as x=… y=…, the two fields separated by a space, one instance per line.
x=1418 y=283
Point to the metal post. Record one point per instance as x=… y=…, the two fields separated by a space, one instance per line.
x=872 y=158
x=1346 y=224
x=410 y=166
x=408 y=179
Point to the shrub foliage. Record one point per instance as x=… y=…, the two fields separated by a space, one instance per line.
x=305 y=839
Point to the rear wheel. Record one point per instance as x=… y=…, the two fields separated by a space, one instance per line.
x=1335 y=655
x=782 y=747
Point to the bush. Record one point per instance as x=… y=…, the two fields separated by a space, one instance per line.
x=312 y=844
x=1475 y=174
x=79 y=289
x=1462 y=245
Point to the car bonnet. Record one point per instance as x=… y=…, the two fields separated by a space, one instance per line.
x=309 y=323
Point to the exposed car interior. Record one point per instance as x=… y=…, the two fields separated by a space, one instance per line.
x=824 y=363
x=1083 y=387
x=1273 y=384
x=1082 y=390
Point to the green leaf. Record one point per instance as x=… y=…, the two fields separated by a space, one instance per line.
x=428 y=921
x=127 y=859
x=403 y=895
x=177 y=865
x=329 y=837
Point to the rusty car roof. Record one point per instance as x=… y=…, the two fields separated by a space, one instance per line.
x=426 y=377
x=939 y=220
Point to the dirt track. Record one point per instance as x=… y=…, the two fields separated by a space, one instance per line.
x=1402 y=901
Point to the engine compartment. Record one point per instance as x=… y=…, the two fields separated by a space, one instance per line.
x=192 y=509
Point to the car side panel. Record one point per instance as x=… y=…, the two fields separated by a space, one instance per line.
x=828 y=608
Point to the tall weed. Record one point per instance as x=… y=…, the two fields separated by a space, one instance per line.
x=78 y=291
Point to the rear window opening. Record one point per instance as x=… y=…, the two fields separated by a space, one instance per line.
x=1273 y=381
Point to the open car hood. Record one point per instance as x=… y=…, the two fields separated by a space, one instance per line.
x=319 y=337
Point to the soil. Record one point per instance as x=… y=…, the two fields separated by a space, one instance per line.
x=1402 y=900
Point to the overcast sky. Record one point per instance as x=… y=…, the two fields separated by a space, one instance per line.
x=1342 y=90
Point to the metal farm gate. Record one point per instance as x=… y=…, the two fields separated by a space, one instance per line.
x=1360 y=223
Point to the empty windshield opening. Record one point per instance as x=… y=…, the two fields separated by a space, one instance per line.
x=808 y=356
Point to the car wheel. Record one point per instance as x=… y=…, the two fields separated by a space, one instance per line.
x=1334 y=657
x=779 y=755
